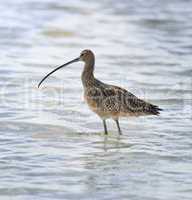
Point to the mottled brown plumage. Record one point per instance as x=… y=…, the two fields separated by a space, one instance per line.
x=108 y=101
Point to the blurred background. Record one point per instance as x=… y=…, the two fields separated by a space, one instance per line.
x=51 y=144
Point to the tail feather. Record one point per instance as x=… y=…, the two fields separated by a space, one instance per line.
x=154 y=110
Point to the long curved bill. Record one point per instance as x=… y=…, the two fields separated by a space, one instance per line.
x=70 y=62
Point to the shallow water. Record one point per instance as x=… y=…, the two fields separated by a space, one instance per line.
x=51 y=144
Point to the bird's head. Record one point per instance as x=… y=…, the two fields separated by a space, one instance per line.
x=86 y=55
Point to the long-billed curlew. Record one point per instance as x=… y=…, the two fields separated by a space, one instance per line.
x=108 y=101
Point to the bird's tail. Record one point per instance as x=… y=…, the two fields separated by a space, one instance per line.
x=154 y=110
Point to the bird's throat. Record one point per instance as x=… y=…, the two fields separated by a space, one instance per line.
x=87 y=76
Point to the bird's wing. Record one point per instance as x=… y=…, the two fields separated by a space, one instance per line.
x=127 y=102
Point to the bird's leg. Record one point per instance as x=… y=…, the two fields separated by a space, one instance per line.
x=105 y=127
x=118 y=126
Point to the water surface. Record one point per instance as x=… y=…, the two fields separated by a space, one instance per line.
x=51 y=144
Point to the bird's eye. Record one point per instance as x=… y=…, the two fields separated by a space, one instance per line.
x=82 y=54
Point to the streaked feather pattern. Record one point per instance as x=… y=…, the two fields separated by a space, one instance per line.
x=111 y=100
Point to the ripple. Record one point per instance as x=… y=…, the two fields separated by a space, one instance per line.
x=58 y=33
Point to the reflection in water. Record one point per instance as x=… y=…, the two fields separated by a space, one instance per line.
x=107 y=143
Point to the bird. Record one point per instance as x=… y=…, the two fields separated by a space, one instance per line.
x=107 y=101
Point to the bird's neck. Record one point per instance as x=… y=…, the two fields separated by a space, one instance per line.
x=87 y=76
